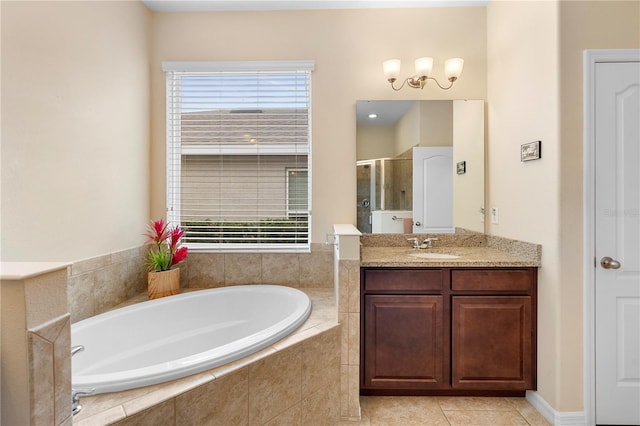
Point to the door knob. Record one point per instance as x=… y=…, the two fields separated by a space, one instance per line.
x=418 y=223
x=609 y=263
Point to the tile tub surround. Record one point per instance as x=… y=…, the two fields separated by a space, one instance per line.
x=36 y=372
x=99 y=284
x=299 y=270
x=294 y=381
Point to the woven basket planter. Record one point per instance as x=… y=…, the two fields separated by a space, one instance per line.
x=163 y=283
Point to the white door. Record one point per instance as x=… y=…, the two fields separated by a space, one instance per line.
x=617 y=243
x=432 y=190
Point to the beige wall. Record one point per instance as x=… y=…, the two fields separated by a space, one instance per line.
x=468 y=146
x=348 y=47
x=534 y=56
x=375 y=142
x=425 y=124
x=75 y=128
x=436 y=123
x=523 y=85
x=408 y=130
x=583 y=25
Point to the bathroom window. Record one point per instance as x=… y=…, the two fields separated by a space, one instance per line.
x=238 y=154
x=297 y=192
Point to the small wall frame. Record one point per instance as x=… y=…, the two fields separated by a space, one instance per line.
x=461 y=167
x=530 y=151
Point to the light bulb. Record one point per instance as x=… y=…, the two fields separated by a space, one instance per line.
x=453 y=68
x=391 y=69
x=424 y=66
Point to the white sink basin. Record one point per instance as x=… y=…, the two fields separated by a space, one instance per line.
x=435 y=255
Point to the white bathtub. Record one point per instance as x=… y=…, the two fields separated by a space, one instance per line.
x=172 y=337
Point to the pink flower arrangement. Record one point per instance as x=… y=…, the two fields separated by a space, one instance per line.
x=165 y=251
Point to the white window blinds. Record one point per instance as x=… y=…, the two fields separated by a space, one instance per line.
x=238 y=154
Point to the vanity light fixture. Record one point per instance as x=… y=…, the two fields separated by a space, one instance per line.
x=452 y=69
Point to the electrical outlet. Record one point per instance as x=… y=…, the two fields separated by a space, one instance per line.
x=495 y=215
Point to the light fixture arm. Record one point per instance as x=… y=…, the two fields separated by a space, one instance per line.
x=419 y=82
x=451 y=81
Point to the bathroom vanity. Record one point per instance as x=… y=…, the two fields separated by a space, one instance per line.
x=464 y=325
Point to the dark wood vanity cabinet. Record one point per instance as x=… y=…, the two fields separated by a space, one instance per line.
x=448 y=331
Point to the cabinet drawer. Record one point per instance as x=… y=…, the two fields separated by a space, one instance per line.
x=402 y=279
x=492 y=280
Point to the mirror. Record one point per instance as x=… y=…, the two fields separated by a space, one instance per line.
x=420 y=166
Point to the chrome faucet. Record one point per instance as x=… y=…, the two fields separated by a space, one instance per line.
x=75 y=349
x=416 y=244
x=428 y=243
x=75 y=399
x=77 y=393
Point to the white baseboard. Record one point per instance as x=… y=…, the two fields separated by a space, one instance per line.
x=556 y=418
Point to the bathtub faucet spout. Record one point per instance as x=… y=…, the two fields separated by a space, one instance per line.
x=75 y=349
x=75 y=399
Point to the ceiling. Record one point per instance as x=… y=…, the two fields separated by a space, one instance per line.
x=239 y=5
x=388 y=112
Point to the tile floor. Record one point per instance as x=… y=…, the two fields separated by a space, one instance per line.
x=408 y=410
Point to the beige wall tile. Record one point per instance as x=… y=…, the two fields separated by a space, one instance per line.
x=45 y=297
x=323 y=407
x=127 y=255
x=106 y=417
x=354 y=339
x=344 y=391
x=281 y=268
x=243 y=362
x=316 y=269
x=321 y=361
x=343 y=287
x=343 y=319
x=134 y=277
x=274 y=384
x=62 y=370
x=291 y=417
x=98 y=284
x=354 y=286
x=162 y=414
x=205 y=270
x=89 y=265
x=109 y=290
x=80 y=296
x=137 y=400
x=224 y=401
x=242 y=268
x=42 y=389
x=353 y=390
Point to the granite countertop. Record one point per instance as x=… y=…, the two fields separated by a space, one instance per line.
x=474 y=250
x=469 y=257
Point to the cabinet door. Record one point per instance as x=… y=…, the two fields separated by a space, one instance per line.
x=403 y=342
x=492 y=342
